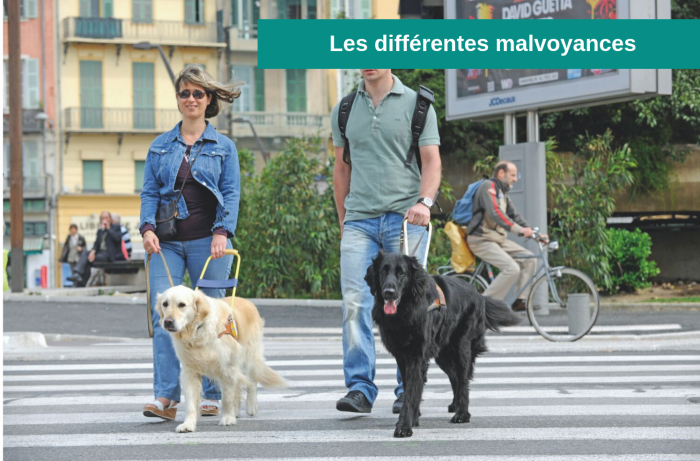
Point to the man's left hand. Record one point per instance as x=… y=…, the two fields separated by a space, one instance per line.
x=218 y=246
x=418 y=215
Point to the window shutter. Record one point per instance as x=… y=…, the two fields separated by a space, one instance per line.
x=296 y=90
x=259 y=90
x=335 y=8
x=139 y=166
x=32 y=83
x=147 y=9
x=92 y=175
x=245 y=102
x=107 y=9
x=85 y=10
x=30 y=9
x=365 y=9
x=189 y=11
x=32 y=165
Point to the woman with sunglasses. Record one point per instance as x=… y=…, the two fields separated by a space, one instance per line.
x=207 y=211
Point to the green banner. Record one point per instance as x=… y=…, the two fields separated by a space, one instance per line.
x=496 y=44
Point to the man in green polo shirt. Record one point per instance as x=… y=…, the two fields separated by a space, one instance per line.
x=372 y=197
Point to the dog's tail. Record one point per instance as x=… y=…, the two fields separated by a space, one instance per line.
x=268 y=377
x=498 y=315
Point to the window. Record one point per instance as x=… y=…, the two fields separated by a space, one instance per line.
x=351 y=9
x=91 y=94
x=92 y=176
x=296 y=90
x=297 y=9
x=245 y=15
x=194 y=11
x=31 y=165
x=139 y=165
x=144 y=95
x=96 y=8
x=29 y=75
x=244 y=103
x=259 y=90
x=142 y=11
x=34 y=229
x=27 y=9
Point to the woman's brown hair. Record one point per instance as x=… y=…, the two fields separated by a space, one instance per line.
x=195 y=74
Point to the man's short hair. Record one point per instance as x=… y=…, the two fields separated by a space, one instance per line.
x=502 y=165
x=72 y=226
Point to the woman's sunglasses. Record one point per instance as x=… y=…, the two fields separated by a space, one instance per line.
x=197 y=94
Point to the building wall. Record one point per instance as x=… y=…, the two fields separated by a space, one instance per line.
x=385 y=9
x=30 y=44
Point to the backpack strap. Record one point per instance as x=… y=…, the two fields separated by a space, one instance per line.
x=420 y=116
x=343 y=116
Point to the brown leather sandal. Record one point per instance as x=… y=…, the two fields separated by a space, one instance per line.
x=204 y=411
x=160 y=410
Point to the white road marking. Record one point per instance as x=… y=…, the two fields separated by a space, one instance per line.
x=267 y=414
x=460 y=434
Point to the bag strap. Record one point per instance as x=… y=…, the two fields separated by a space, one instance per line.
x=188 y=173
x=420 y=116
x=343 y=116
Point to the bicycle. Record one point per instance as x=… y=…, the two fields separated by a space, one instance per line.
x=556 y=294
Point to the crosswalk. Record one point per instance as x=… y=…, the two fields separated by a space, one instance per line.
x=619 y=406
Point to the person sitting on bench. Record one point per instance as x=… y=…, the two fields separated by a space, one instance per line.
x=107 y=248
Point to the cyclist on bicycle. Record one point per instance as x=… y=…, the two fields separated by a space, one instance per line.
x=494 y=216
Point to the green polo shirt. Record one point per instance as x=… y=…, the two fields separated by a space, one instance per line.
x=380 y=138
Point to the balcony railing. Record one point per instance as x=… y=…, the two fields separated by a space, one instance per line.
x=32 y=186
x=29 y=122
x=114 y=30
x=283 y=124
x=243 y=39
x=112 y=120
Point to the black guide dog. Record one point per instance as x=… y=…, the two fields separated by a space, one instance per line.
x=453 y=335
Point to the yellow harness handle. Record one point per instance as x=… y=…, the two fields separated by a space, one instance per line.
x=235 y=275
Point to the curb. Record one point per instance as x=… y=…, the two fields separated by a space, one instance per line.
x=140 y=299
x=23 y=340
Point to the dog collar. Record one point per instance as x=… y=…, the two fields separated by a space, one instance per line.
x=230 y=328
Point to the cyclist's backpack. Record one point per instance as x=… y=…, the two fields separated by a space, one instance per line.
x=420 y=116
x=464 y=208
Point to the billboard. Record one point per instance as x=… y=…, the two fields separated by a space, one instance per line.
x=483 y=94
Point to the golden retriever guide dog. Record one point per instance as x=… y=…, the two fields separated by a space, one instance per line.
x=206 y=344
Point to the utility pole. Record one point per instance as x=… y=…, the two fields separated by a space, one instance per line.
x=16 y=171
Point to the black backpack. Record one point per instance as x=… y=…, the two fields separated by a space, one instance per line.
x=420 y=115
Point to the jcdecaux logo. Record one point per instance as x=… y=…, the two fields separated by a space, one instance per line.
x=501 y=101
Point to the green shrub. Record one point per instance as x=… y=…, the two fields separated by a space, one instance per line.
x=630 y=266
x=288 y=233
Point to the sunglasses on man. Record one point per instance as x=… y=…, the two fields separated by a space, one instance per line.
x=197 y=94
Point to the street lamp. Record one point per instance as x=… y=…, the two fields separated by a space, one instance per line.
x=150 y=46
x=255 y=135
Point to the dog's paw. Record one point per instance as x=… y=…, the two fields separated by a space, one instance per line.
x=227 y=420
x=416 y=423
x=186 y=427
x=451 y=408
x=402 y=432
x=251 y=408
x=461 y=418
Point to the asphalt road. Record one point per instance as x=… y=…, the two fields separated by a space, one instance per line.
x=129 y=321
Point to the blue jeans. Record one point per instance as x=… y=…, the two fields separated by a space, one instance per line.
x=361 y=242
x=191 y=255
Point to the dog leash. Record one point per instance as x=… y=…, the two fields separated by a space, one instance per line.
x=403 y=241
x=148 y=289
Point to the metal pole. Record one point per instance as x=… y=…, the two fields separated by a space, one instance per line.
x=15 y=134
x=259 y=141
x=533 y=126
x=508 y=129
x=50 y=191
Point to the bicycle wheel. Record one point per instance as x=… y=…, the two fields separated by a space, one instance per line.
x=478 y=281
x=567 y=309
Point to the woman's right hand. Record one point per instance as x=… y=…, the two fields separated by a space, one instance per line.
x=151 y=244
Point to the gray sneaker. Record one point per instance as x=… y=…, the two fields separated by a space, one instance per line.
x=354 y=402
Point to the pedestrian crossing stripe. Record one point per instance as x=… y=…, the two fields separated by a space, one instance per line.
x=382 y=371
x=478 y=412
x=635 y=393
x=380 y=361
x=365 y=435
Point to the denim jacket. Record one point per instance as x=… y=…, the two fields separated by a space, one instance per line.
x=216 y=167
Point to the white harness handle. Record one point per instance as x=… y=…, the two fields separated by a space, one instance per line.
x=403 y=242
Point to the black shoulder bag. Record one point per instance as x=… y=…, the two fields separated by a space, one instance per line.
x=166 y=214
